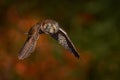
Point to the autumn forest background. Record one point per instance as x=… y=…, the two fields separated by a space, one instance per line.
x=92 y=25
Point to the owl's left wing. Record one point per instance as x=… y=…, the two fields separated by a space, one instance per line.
x=63 y=39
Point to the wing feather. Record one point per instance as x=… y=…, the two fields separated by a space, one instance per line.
x=63 y=39
x=28 y=48
x=30 y=43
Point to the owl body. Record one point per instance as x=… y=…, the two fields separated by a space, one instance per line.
x=51 y=28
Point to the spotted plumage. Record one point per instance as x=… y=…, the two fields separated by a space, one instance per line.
x=52 y=28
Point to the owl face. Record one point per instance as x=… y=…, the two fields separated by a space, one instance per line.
x=50 y=28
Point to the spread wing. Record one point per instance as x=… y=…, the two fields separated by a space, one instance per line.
x=29 y=46
x=63 y=39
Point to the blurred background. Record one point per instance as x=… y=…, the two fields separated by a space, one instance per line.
x=92 y=25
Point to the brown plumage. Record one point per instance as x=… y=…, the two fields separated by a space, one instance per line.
x=52 y=28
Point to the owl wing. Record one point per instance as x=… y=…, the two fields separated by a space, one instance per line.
x=29 y=46
x=63 y=39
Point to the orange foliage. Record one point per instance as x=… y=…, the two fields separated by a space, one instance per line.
x=26 y=22
x=44 y=47
x=21 y=68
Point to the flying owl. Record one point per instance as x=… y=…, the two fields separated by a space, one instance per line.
x=51 y=28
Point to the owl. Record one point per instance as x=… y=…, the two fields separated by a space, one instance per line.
x=51 y=28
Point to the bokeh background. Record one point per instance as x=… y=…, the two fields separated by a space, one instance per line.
x=92 y=25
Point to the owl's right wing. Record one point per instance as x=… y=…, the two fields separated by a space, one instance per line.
x=30 y=43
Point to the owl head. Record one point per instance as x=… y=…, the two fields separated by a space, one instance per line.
x=49 y=26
